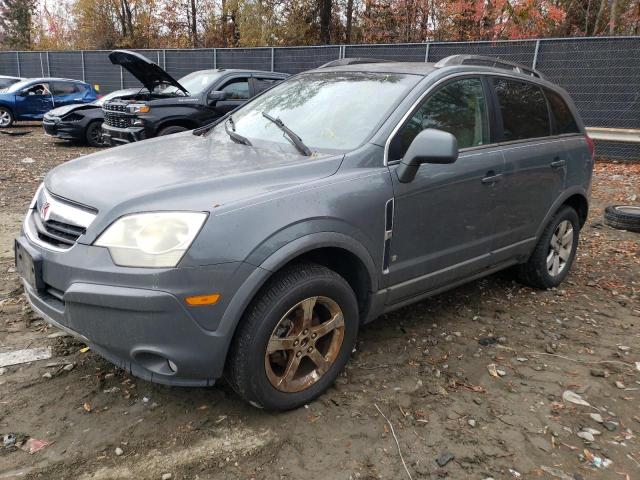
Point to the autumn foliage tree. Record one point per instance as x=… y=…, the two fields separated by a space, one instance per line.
x=107 y=24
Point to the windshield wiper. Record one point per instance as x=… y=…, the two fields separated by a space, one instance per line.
x=236 y=137
x=295 y=139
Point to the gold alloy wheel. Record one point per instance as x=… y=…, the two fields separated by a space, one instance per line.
x=305 y=344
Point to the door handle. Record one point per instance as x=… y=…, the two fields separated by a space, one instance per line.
x=492 y=177
x=557 y=163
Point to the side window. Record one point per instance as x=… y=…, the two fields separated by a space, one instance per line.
x=63 y=88
x=564 y=121
x=38 y=89
x=262 y=84
x=237 y=89
x=459 y=108
x=523 y=108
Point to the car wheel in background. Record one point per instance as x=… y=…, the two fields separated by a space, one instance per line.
x=623 y=217
x=93 y=135
x=170 y=130
x=553 y=256
x=6 y=117
x=294 y=339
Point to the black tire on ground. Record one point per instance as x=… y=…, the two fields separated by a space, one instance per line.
x=93 y=134
x=6 y=117
x=535 y=272
x=246 y=369
x=172 y=129
x=623 y=217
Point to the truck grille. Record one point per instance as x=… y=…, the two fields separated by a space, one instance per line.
x=116 y=115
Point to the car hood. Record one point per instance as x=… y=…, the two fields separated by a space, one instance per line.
x=182 y=172
x=149 y=73
x=66 y=109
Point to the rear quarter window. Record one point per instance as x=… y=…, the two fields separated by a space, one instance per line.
x=564 y=122
x=523 y=108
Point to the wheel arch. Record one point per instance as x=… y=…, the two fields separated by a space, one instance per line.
x=577 y=198
x=176 y=122
x=336 y=251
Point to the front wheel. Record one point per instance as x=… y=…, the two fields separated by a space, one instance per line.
x=172 y=129
x=93 y=135
x=553 y=256
x=6 y=117
x=295 y=338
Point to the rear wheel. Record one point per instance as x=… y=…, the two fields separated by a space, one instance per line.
x=294 y=339
x=93 y=135
x=553 y=256
x=6 y=117
x=172 y=129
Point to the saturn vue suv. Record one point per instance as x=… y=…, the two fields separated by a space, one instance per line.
x=255 y=248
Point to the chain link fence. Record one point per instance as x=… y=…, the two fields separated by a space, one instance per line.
x=602 y=74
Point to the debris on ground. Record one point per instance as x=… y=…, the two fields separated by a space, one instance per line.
x=17 y=357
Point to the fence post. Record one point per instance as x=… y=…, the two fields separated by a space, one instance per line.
x=215 y=58
x=272 y=59
x=18 y=63
x=41 y=65
x=164 y=59
x=48 y=66
x=84 y=73
x=426 y=53
x=121 y=79
x=535 y=55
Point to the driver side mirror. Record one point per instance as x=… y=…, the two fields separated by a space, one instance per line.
x=429 y=146
x=216 y=96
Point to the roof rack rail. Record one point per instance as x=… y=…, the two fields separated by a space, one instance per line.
x=352 y=61
x=488 y=62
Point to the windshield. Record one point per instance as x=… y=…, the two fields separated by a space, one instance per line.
x=194 y=83
x=328 y=110
x=18 y=86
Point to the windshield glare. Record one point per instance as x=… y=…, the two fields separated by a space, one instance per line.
x=328 y=110
x=195 y=82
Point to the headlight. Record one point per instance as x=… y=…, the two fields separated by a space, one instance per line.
x=151 y=239
x=138 y=108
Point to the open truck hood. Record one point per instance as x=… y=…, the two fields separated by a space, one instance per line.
x=149 y=73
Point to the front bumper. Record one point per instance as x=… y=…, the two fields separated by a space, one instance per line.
x=118 y=136
x=64 y=130
x=137 y=318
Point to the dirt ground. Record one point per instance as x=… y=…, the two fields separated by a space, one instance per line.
x=424 y=367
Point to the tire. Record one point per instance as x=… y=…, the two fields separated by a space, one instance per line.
x=278 y=311
x=172 y=129
x=6 y=117
x=93 y=135
x=623 y=217
x=537 y=272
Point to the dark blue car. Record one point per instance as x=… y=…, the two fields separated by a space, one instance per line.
x=30 y=99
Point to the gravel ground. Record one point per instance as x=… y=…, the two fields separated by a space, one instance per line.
x=472 y=382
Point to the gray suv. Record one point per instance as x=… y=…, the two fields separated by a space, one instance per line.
x=255 y=248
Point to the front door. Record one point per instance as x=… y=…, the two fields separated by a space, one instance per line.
x=34 y=101
x=237 y=93
x=443 y=220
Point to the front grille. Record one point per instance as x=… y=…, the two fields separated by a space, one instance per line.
x=58 y=234
x=116 y=115
x=57 y=223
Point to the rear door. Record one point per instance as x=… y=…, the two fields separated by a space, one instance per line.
x=260 y=83
x=67 y=93
x=443 y=220
x=535 y=165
